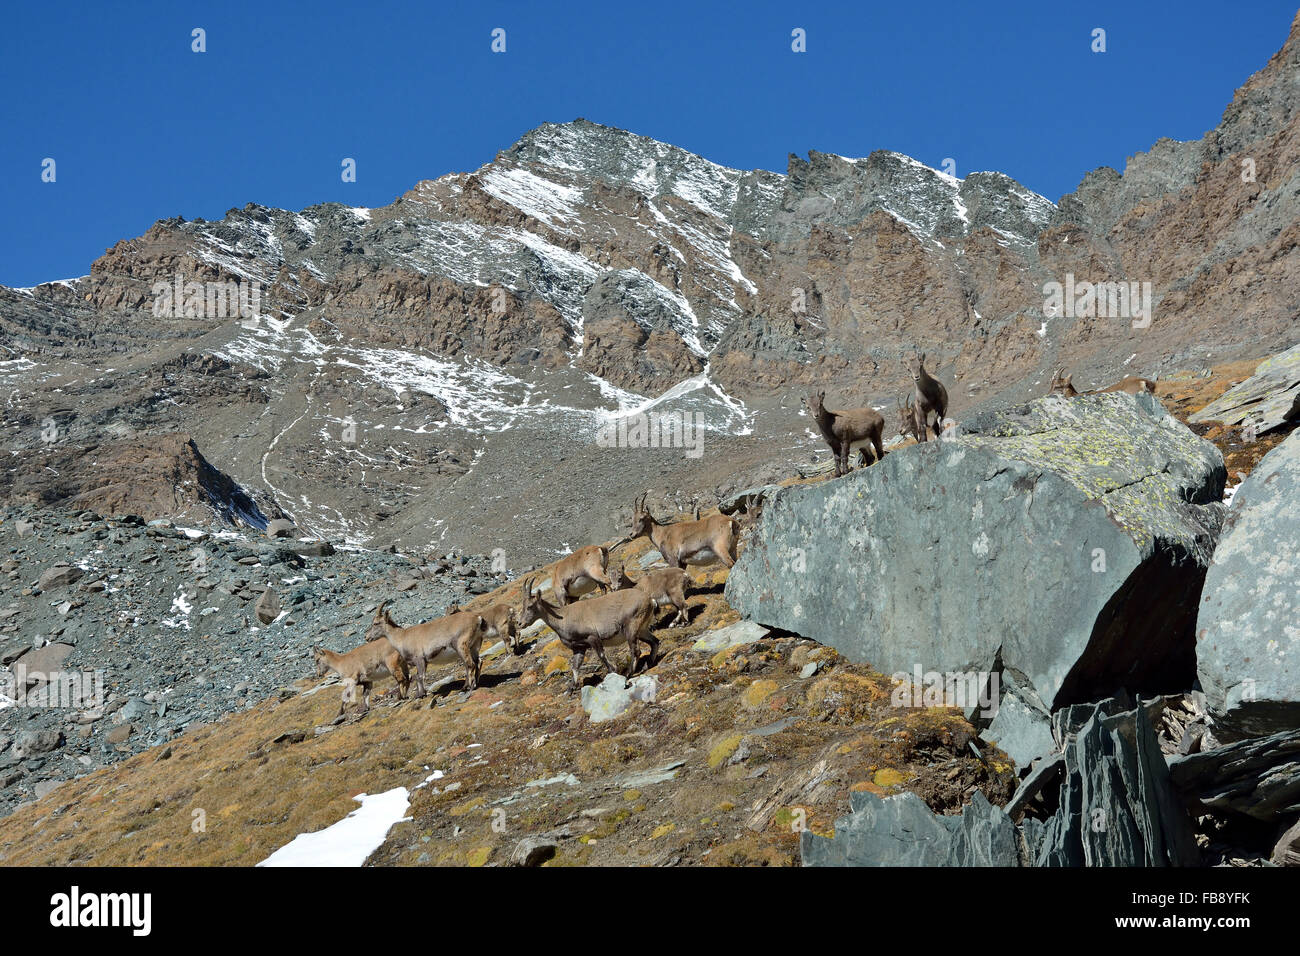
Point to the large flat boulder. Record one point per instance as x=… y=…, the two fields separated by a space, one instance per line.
x=1248 y=628
x=1266 y=400
x=1065 y=538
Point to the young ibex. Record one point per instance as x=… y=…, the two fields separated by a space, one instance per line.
x=845 y=429
x=687 y=542
x=581 y=572
x=907 y=419
x=498 y=624
x=931 y=396
x=666 y=587
x=588 y=625
x=361 y=667
x=440 y=641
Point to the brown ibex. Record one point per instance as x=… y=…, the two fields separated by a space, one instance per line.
x=498 y=624
x=666 y=587
x=1132 y=384
x=687 y=542
x=846 y=428
x=581 y=572
x=440 y=641
x=361 y=667
x=589 y=625
x=907 y=419
x=1061 y=384
x=931 y=396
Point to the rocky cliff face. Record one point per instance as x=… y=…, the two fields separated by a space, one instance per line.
x=499 y=316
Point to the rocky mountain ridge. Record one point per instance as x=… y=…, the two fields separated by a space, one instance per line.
x=498 y=317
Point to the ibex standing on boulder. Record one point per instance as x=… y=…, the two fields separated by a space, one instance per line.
x=687 y=542
x=846 y=428
x=581 y=572
x=1061 y=384
x=589 y=625
x=440 y=641
x=907 y=419
x=931 y=396
x=666 y=587
x=361 y=667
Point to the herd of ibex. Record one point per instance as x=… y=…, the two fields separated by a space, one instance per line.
x=626 y=609
x=624 y=612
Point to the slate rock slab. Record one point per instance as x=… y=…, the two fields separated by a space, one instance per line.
x=1071 y=535
x=1117 y=804
x=1259 y=777
x=1268 y=399
x=1248 y=626
x=901 y=830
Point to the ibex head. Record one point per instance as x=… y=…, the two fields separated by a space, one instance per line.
x=1061 y=384
x=642 y=520
x=379 y=623
x=916 y=365
x=906 y=416
x=816 y=403
x=318 y=655
x=621 y=580
x=529 y=609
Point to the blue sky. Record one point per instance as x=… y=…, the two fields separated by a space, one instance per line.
x=142 y=128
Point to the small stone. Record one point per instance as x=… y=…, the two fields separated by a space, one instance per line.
x=120 y=734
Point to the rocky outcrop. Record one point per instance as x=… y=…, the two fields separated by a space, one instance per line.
x=1248 y=627
x=1258 y=777
x=1267 y=400
x=1115 y=804
x=1066 y=539
x=156 y=476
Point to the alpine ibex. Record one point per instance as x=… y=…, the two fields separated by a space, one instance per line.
x=588 y=625
x=666 y=588
x=361 y=667
x=687 y=542
x=907 y=419
x=931 y=396
x=498 y=624
x=581 y=572
x=1061 y=384
x=845 y=429
x=440 y=641
x=1132 y=384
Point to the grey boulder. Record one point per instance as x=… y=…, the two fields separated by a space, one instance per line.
x=1070 y=535
x=1248 y=628
x=902 y=831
